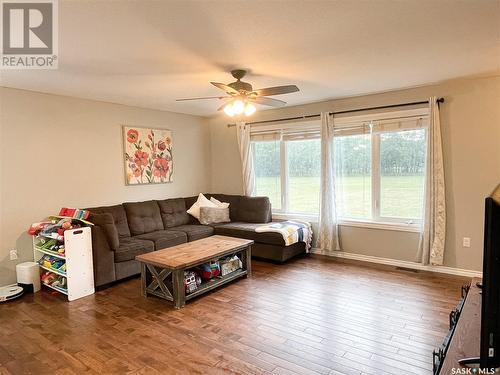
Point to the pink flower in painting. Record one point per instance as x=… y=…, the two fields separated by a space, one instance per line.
x=160 y=167
x=135 y=169
x=141 y=158
x=132 y=135
x=137 y=172
x=161 y=145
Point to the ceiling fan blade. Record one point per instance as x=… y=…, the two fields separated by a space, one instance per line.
x=268 y=101
x=276 y=90
x=202 y=98
x=226 y=88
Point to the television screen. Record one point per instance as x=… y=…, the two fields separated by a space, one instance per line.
x=490 y=310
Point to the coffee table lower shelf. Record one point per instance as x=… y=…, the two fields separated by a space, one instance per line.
x=214 y=283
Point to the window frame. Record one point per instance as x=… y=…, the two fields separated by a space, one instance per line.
x=377 y=221
x=293 y=127
x=377 y=178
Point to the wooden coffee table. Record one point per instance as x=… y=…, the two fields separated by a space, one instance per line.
x=162 y=271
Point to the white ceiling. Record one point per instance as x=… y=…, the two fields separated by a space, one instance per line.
x=148 y=53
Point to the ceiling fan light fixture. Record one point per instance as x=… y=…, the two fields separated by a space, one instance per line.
x=229 y=110
x=238 y=106
x=249 y=109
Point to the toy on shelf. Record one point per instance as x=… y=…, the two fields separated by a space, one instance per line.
x=56 y=225
x=36 y=228
x=51 y=244
x=208 y=270
x=53 y=263
x=74 y=213
x=230 y=264
x=191 y=281
x=48 y=277
x=51 y=279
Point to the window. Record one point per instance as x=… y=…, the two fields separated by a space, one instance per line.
x=353 y=182
x=303 y=166
x=379 y=167
x=402 y=172
x=267 y=167
x=287 y=167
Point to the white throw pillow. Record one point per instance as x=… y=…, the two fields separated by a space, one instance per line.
x=202 y=201
x=219 y=203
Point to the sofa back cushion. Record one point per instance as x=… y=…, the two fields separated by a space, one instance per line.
x=254 y=210
x=143 y=217
x=173 y=212
x=234 y=203
x=119 y=217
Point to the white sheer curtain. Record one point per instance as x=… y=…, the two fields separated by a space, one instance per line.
x=243 y=134
x=432 y=239
x=328 y=239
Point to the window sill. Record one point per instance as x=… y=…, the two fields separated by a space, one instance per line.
x=402 y=227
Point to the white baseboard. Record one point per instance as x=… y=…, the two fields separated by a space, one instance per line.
x=400 y=263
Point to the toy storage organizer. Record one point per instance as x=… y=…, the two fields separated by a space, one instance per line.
x=78 y=272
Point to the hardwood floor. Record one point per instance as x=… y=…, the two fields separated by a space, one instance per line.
x=310 y=316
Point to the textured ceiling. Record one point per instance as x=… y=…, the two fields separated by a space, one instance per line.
x=148 y=53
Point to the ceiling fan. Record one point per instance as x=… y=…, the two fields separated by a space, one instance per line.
x=241 y=95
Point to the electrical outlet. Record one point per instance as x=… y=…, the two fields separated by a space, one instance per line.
x=13 y=254
x=466 y=242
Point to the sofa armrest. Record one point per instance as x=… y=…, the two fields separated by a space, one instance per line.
x=107 y=223
x=254 y=210
x=103 y=258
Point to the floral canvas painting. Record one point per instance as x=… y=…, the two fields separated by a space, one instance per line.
x=148 y=155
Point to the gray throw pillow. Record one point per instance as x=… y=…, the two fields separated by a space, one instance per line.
x=212 y=215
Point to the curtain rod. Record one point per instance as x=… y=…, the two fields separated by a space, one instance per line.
x=439 y=100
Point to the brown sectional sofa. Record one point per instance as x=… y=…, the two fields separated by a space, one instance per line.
x=123 y=231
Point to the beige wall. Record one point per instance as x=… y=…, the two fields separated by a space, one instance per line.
x=471 y=137
x=60 y=151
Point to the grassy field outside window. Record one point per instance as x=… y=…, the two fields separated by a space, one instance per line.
x=401 y=196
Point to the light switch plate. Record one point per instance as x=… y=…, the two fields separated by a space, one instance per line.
x=13 y=254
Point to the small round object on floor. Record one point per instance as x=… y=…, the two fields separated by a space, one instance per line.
x=10 y=292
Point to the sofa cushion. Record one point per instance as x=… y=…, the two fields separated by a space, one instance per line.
x=195 y=232
x=143 y=217
x=131 y=247
x=119 y=217
x=254 y=210
x=164 y=238
x=173 y=212
x=107 y=223
x=247 y=231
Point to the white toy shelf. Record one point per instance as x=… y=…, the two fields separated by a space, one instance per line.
x=79 y=272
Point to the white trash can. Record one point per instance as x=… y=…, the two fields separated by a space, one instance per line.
x=28 y=276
